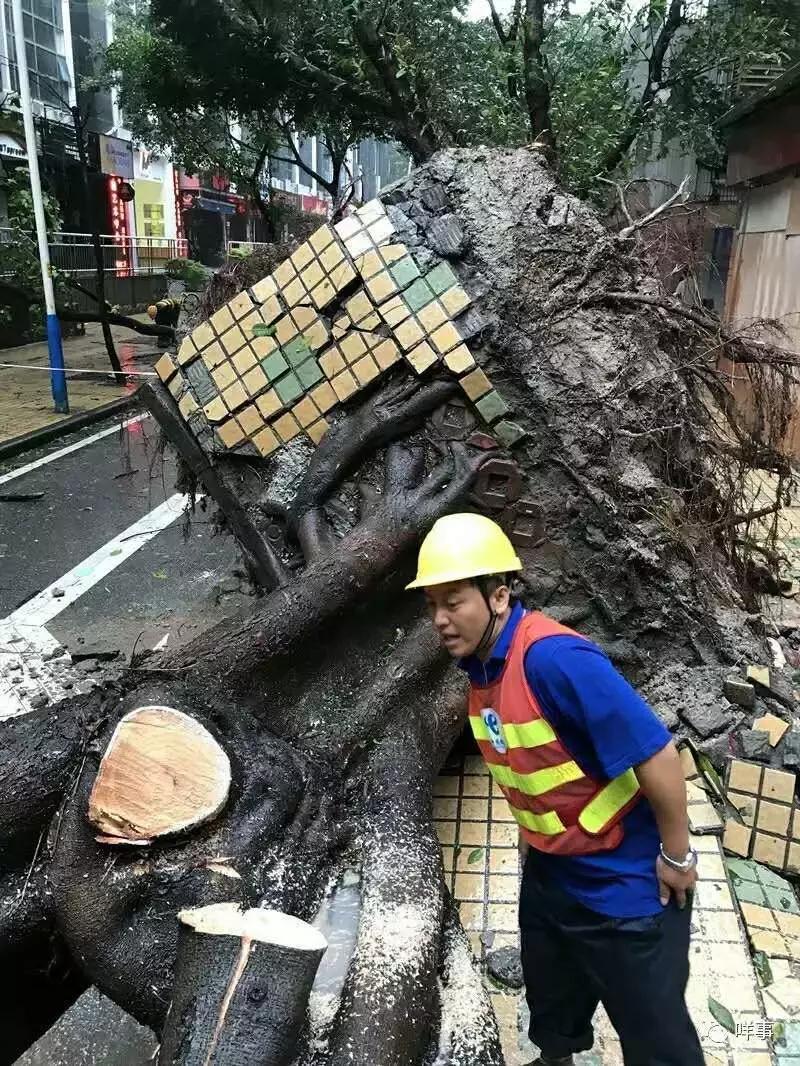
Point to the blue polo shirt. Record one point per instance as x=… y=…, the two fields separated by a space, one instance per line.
x=607 y=728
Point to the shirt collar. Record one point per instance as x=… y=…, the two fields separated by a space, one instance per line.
x=472 y=664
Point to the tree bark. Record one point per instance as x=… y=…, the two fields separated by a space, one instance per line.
x=535 y=77
x=100 y=272
x=242 y=982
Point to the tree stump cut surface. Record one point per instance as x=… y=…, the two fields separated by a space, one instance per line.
x=163 y=772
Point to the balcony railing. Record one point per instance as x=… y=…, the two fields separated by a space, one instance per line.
x=73 y=253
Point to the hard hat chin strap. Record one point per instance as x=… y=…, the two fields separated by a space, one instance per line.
x=486 y=641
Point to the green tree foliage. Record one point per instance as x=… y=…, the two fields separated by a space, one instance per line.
x=596 y=89
x=19 y=252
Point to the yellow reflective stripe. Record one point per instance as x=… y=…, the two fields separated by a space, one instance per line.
x=538 y=782
x=548 y=824
x=527 y=735
x=608 y=802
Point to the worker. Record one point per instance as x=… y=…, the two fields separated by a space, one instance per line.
x=594 y=780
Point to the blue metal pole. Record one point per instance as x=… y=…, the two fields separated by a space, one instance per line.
x=58 y=379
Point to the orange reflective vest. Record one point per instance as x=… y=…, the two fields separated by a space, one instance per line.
x=559 y=808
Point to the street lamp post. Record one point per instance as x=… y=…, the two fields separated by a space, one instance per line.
x=58 y=380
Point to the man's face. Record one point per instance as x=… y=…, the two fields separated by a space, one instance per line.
x=459 y=613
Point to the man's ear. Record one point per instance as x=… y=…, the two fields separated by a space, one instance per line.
x=500 y=599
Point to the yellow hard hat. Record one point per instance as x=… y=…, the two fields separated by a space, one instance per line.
x=461 y=546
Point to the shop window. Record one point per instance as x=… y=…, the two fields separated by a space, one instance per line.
x=153 y=215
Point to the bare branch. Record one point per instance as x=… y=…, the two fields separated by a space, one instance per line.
x=681 y=193
x=621 y=194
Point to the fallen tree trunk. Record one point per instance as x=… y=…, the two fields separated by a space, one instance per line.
x=595 y=427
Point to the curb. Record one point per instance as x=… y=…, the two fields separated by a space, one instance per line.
x=37 y=437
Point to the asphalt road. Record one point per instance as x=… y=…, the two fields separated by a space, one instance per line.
x=174 y=583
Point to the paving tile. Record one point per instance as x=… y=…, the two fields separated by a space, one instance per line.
x=509 y=433
x=469 y=886
x=474 y=833
x=441 y=278
x=309 y=373
x=423 y=357
x=269 y=404
x=474 y=809
x=446 y=831
x=318 y=430
x=491 y=406
x=475 y=384
x=404 y=271
x=471 y=915
x=714 y=895
x=287 y=427
x=444 y=807
x=782 y=998
x=502 y=917
x=470 y=859
x=459 y=359
x=289 y=388
x=344 y=385
x=455 y=300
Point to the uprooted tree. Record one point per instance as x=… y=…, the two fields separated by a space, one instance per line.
x=301 y=740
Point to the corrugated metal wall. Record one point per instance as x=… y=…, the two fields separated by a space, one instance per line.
x=764 y=280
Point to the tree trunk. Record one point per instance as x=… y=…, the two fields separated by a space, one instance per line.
x=100 y=272
x=332 y=699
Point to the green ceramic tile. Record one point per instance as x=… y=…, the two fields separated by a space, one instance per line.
x=790 y=1041
x=274 y=365
x=743 y=869
x=750 y=892
x=296 y=351
x=781 y=899
x=418 y=295
x=404 y=271
x=441 y=278
x=309 y=373
x=492 y=406
x=508 y=433
x=289 y=388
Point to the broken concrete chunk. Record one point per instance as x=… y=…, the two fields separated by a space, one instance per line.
x=773 y=726
x=775 y=683
x=505 y=966
x=706 y=718
x=740 y=692
x=791 y=748
x=755 y=744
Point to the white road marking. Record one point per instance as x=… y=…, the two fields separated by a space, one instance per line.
x=53 y=456
x=48 y=603
x=33 y=669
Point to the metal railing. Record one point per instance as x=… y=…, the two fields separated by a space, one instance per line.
x=73 y=253
x=245 y=246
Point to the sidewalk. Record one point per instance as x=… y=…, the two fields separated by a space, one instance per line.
x=479 y=848
x=26 y=403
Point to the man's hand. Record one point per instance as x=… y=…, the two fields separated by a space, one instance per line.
x=675 y=882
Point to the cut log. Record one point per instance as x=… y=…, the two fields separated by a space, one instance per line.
x=242 y=982
x=162 y=773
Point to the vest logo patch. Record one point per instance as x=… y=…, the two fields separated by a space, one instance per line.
x=493 y=723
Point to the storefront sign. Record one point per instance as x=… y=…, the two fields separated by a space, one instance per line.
x=11 y=147
x=116 y=157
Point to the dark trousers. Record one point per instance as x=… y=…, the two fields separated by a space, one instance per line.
x=574 y=958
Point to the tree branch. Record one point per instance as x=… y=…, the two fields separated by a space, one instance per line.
x=287 y=131
x=413 y=125
x=498 y=25
x=681 y=193
x=655 y=74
